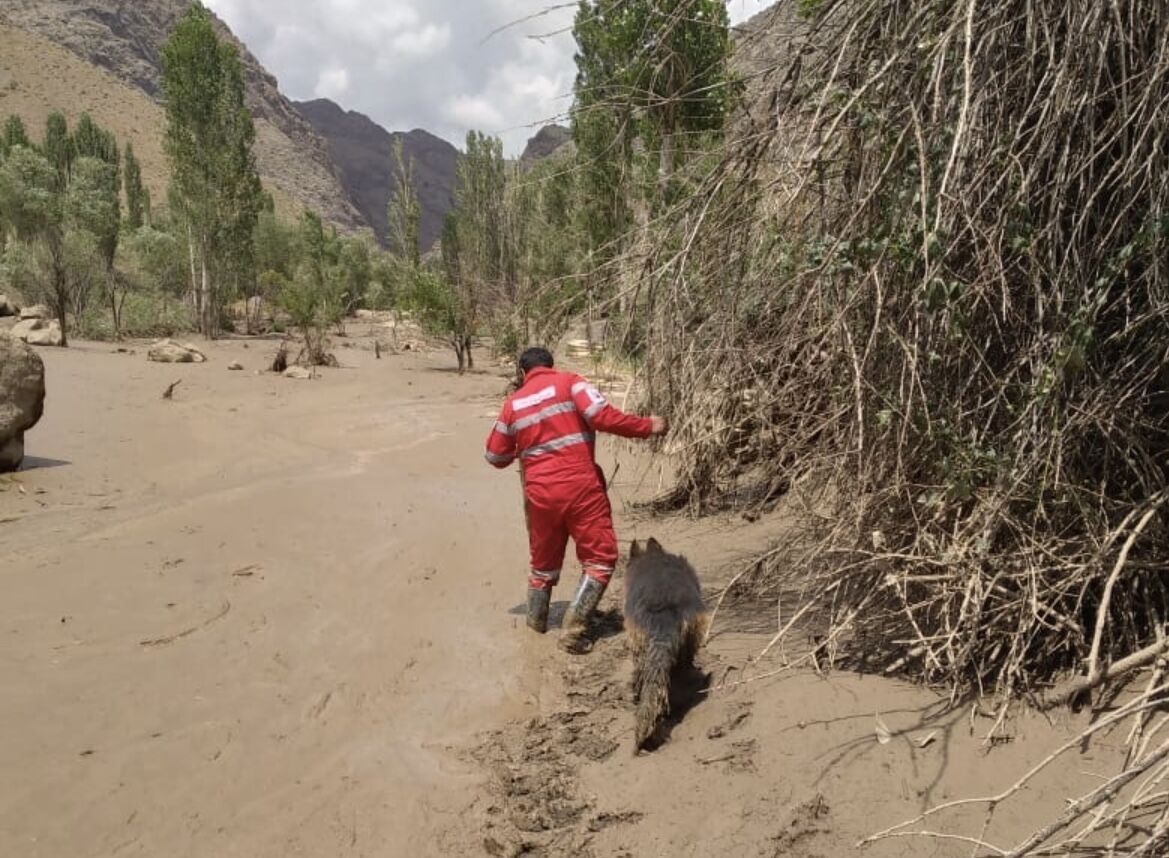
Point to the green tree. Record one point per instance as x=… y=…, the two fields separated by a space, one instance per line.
x=63 y=227
x=215 y=188
x=92 y=206
x=13 y=135
x=137 y=195
x=31 y=197
x=159 y=258
x=58 y=147
x=404 y=211
x=654 y=69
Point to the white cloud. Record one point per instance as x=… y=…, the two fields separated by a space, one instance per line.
x=443 y=65
x=431 y=39
x=475 y=111
x=332 y=83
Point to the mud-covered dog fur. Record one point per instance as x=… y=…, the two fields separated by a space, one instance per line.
x=666 y=620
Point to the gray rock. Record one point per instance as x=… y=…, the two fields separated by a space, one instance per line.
x=300 y=372
x=235 y=366
x=46 y=334
x=38 y=332
x=168 y=351
x=12 y=453
x=36 y=311
x=8 y=307
x=22 y=398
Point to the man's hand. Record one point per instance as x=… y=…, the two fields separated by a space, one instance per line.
x=660 y=425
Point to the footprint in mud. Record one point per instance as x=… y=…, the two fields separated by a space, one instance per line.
x=536 y=806
x=740 y=757
x=735 y=719
x=806 y=822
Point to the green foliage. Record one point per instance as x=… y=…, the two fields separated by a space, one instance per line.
x=158 y=260
x=58 y=148
x=145 y=313
x=311 y=310
x=137 y=196
x=29 y=199
x=653 y=69
x=14 y=134
x=215 y=189
x=276 y=245
x=92 y=205
x=404 y=210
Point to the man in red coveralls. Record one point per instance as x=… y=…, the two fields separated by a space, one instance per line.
x=549 y=424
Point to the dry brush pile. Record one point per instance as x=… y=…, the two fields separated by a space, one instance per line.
x=932 y=275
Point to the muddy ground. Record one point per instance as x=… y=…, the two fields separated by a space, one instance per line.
x=283 y=618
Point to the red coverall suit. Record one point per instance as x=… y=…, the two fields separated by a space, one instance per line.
x=549 y=424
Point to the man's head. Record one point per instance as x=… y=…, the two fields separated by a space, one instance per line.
x=535 y=357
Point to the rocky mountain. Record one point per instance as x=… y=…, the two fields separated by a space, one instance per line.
x=362 y=151
x=547 y=141
x=123 y=38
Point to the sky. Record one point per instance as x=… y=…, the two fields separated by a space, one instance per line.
x=447 y=66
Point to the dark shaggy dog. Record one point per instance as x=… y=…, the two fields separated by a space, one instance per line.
x=666 y=620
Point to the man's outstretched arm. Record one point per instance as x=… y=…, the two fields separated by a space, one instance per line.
x=603 y=416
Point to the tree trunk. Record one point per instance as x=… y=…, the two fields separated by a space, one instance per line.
x=60 y=287
x=666 y=165
x=194 y=273
x=206 y=310
x=467 y=351
x=460 y=355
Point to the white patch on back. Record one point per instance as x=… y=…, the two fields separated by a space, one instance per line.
x=534 y=399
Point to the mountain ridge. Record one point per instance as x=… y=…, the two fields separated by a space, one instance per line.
x=125 y=39
x=362 y=150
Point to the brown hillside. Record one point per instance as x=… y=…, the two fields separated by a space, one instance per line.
x=120 y=41
x=38 y=77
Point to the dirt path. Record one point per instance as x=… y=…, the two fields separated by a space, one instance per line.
x=280 y=618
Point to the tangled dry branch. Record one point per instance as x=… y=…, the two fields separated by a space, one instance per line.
x=931 y=277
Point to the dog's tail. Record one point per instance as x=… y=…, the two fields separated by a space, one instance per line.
x=658 y=657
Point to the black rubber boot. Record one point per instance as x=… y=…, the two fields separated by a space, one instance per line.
x=574 y=636
x=538 y=601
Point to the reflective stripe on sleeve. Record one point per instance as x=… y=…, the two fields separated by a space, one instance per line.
x=497 y=459
x=594 y=409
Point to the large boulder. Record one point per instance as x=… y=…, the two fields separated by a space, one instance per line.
x=168 y=351
x=22 y=398
x=8 y=307
x=38 y=332
x=37 y=311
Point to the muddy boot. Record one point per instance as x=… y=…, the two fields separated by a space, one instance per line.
x=574 y=635
x=538 y=601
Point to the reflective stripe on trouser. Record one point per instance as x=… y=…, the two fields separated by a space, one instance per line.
x=585 y=516
x=538 y=580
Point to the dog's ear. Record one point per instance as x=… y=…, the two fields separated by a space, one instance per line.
x=635 y=550
x=654 y=547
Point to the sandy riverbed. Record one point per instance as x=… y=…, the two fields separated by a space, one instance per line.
x=279 y=618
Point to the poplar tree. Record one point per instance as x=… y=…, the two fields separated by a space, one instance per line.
x=137 y=197
x=215 y=189
x=404 y=211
